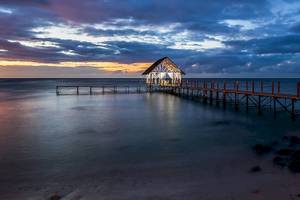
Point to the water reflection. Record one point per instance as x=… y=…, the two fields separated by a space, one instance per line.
x=48 y=139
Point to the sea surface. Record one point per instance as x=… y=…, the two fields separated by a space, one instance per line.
x=134 y=146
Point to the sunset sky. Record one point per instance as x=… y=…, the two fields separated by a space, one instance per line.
x=121 y=38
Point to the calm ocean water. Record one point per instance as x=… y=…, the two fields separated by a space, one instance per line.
x=125 y=146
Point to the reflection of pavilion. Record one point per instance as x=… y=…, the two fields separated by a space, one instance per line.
x=164 y=72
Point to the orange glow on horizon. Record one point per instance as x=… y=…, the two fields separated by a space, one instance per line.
x=105 y=66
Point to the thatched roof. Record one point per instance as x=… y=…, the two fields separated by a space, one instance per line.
x=166 y=60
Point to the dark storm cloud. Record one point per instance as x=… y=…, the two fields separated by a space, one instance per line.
x=229 y=36
x=131 y=52
x=86 y=51
x=17 y=51
x=271 y=45
x=210 y=27
x=23 y=17
x=24 y=2
x=157 y=10
x=296 y=28
x=239 y=64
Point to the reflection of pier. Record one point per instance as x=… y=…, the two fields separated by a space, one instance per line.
x=238 y=94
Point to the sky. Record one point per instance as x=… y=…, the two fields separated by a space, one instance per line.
x=121 y=38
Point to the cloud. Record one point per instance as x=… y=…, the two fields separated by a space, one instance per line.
x=155 y=11
x=229 y=36
x=289 y=44
x=295 y=28
x=244 y=25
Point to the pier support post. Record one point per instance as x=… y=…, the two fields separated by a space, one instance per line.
x=261 y=86
x=274 y=107
x=224 y=96
x=272 y=88
x=293 y=114
x=205 y=93
x=247 y=103
x=57 y=90
x=217 y=95
x=298 y=89
x=259 y=105
x=236 y=96
x=211 y=93
x=224 y=100
x=235 y=102
x=77 y=90
x=91 y=91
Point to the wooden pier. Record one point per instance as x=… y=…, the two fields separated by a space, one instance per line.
x=97 y=90
x=241 y=95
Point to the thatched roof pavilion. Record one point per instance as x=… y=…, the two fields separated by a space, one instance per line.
x=164 y=72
